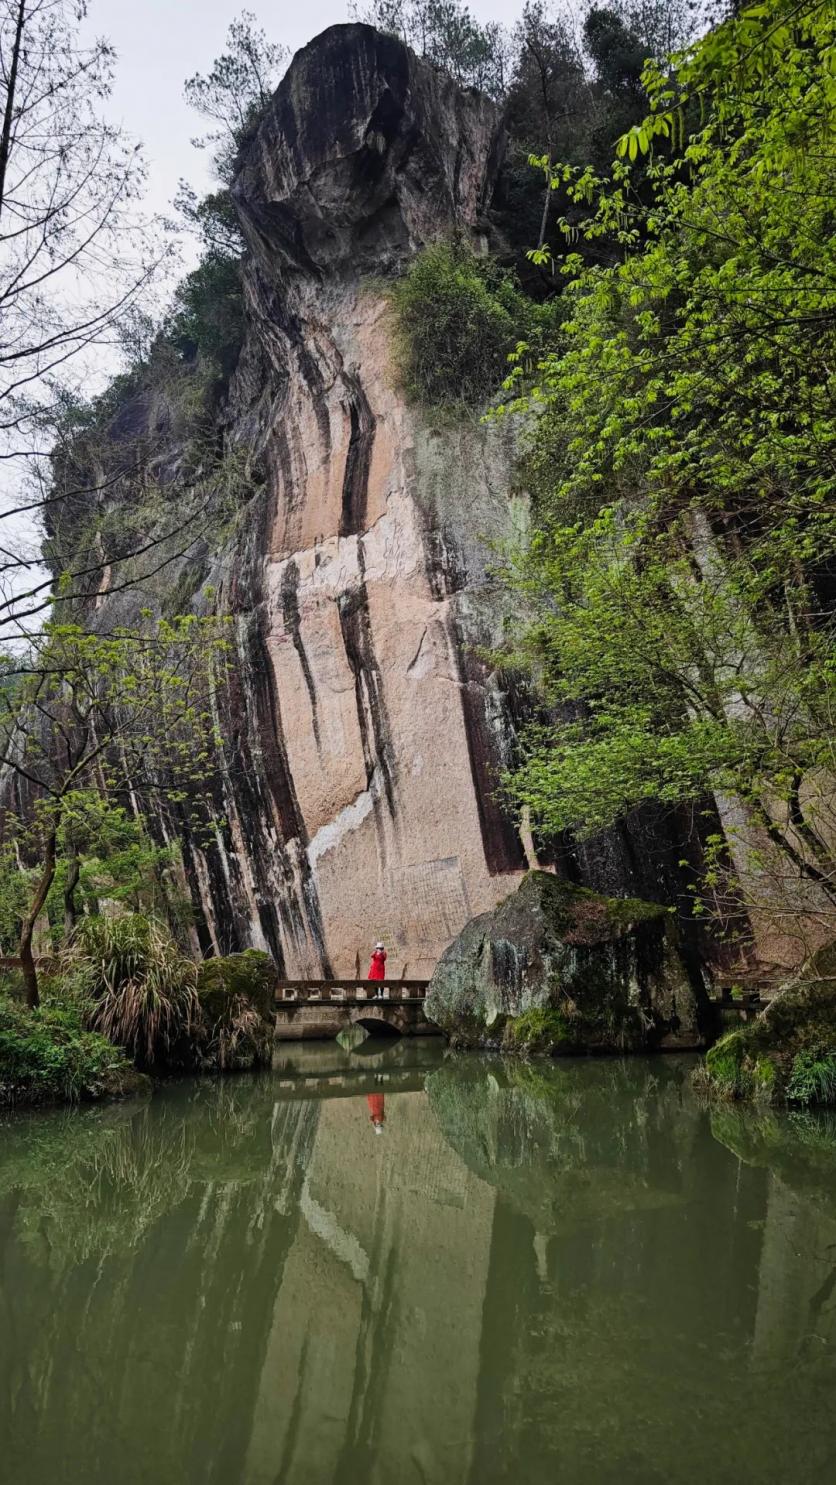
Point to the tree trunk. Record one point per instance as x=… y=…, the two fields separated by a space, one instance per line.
x=8 y=113
x=69 y=890
x=544 y=219
x=27 y=960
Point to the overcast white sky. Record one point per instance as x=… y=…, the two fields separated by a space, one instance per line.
x=162 y=42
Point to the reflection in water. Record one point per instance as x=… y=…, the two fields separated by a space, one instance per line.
x=570 y=1272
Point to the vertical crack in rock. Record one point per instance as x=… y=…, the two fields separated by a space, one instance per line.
x=270 y=730
x=375 y=733
x=357 y=460
x=293 y=626
x=500 y=840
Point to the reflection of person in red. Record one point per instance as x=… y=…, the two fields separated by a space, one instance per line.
x=377 y=1112
x=377 y=968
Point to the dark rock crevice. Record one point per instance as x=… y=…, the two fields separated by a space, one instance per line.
x=293 y=626
x=372 y=718
x=358 y=458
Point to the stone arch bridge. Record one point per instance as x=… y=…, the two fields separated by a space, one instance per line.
x=308 y=1009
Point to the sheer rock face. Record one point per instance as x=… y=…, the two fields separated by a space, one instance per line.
x=364 y=736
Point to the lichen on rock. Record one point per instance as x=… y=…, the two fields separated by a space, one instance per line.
x=558 y=968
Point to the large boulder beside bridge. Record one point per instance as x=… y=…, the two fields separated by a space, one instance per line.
x=559 y=969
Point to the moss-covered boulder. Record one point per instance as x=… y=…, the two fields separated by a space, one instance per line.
x=557 y=968
x=788 y=1054
x=236 y=995
x=251 y=974
x=47 y=1056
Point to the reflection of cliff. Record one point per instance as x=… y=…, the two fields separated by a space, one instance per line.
x=372 y=1367
x=796 y=1315
x=534 y=1274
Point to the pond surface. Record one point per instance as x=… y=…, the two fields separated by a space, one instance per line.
x=534 y=1273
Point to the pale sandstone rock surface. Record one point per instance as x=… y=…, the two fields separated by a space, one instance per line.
x=370 y=734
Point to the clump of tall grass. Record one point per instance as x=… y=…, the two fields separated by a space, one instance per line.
x=238 y=1038
x=140 y=989
x=813 y=1077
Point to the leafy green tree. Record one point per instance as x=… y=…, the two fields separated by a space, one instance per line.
x=103 y=718
x=684 y=458
x=208 y=304
x=457 y=319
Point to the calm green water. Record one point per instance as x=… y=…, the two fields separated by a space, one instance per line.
x=565 y=1273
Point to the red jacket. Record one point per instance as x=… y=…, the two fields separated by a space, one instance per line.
x=377 y=1109
x=377 y=968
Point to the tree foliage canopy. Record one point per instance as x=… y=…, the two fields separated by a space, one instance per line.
x=684 y=453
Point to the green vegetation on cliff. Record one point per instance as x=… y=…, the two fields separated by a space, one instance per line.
x=679 y=582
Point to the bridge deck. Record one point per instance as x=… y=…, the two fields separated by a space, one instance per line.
x=351 y=992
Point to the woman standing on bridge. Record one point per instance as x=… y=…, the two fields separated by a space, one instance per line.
x=377 y=968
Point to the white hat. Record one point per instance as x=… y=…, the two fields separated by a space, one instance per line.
x=379 y=944
x=378 y=1128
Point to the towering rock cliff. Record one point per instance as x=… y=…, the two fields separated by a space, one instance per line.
x=363 y=734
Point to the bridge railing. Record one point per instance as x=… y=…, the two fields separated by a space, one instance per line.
x=350 y=989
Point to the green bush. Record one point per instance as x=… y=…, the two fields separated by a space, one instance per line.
x=140 y=989
x=726 y=1066
x=457 y=318
x=48 y=1056
x=786 y=1054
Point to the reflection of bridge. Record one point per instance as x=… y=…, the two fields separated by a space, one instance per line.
x=322 y=1008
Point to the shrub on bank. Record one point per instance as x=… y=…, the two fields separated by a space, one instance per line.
x=49 y=1056
x=789 y=1053
x=236 y=1003
x=140 y=991
x=126 y=1001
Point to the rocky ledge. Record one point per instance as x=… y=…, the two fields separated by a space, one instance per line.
x=557 y=968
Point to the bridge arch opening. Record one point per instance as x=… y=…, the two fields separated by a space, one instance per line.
x=376 y=1026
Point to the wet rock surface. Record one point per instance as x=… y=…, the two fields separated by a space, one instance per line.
x=558 y=968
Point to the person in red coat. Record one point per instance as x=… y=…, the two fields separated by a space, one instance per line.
x=377 y=1110
x=377 y=968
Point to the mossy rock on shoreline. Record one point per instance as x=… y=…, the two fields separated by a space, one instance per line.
x=236 y=994
x=47 y=1057
x=556 y=968
x=788 y=1054
x=252 y=974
